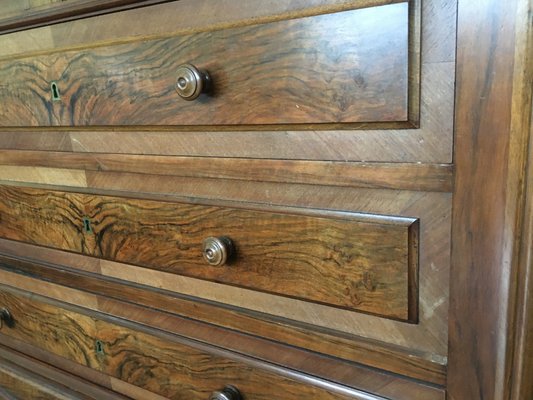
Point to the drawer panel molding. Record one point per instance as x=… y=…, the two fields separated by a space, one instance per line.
x=360 y=262
x=161 y=363
x=334 y=69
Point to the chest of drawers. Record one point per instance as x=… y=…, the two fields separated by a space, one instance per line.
x=264 y=200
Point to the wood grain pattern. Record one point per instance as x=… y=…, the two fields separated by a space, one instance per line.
x=368 y=380
x=168 y=19
x=55 y=377
x=345 y=67
x=432 y=143
x=88 y=381
x=26 y=384
x=346 y=260
x=494 y=102
x=25 y=14
x=385 y=356
x=522 y=125
x=46 y=176
x=420 y=177
x=161 y=363
x=522 y=387
x=429 y=336
x=22 y=385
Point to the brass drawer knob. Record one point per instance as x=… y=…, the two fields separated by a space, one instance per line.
x=191 y=82
x=228 y=393
x=217 y=250
x=6 y=318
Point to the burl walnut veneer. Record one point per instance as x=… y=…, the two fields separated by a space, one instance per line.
x=342 y=209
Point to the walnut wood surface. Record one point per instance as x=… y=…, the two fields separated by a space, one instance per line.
x=493 y=119
x=328 y=342
x=341 y=259
x=32 y=380
x=24 y=14
x=54 y=377
x=324 y=185
x=337 y=68
x=22 y=385
x=169 y=19
x=368 y=380
x=58 y=369
x=432 y=143
x=429 y=336
x=422 y=177
x=522 y=122
x=161 y=363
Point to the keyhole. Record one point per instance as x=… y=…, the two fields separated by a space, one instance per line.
x=87 y=225
x=99 y=347
x=55 y=92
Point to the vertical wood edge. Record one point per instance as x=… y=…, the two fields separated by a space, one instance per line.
x=521 y=368
x=491 y=151
x=413 y=272
x=415 y=63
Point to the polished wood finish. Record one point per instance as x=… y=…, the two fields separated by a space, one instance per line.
x=428 y=337
x=25 y=14
x=360 y=262
x=328 y=342
x=54 y=377
x=387 y=385
x=59 y=369
x=493 y=119
x=171 y=19
x=522 y=364
x=337 y=68
x=27 y=378
x=377 y=168
x=161 y=363
x=432 y=143
x=22 y=384
x=419 y=177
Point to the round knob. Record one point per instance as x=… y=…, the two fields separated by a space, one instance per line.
x=6 y=318
x=191 y=82
x=228 y=393
x=217 y=250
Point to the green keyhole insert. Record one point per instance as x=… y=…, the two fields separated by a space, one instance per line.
x=55 y=91
x=87 y=225
x=99 y=348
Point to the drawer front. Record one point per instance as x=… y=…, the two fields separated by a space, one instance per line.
x=346 y=260
x=20 y=384
x=340 y=68
x=161 y=363
x=18 y=15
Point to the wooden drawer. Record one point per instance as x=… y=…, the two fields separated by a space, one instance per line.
x=164 y=364
x=24 y=378
x=18 y=384
x=347 y=260
x=340 y=68
x=18 y=15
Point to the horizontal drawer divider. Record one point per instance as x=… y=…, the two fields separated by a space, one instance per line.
x=184 y=308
